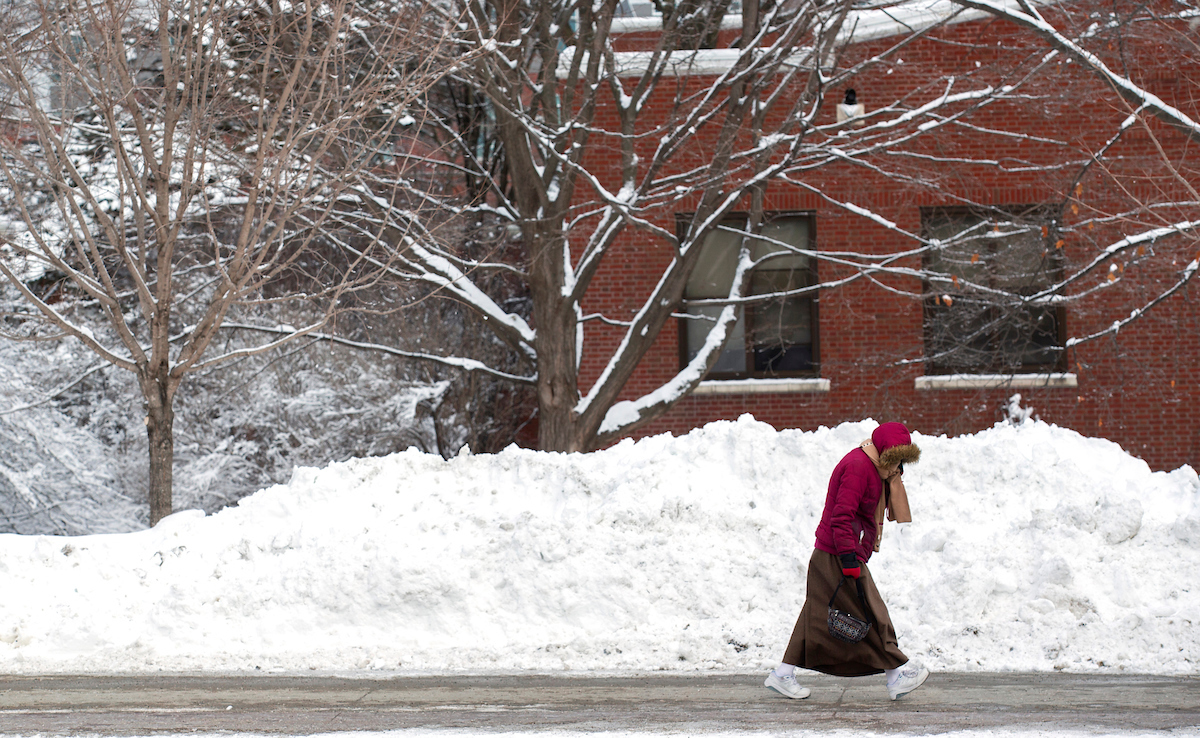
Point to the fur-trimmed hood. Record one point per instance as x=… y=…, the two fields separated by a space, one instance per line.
x=894 y=444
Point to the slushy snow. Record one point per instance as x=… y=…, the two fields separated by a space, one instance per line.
x=1031 y=548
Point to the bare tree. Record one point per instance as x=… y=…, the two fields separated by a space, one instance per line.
x=542 y=71
x=706 y=127
x=608 y=143
x=169 y=164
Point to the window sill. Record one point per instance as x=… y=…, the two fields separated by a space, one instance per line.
x=995 y=381
x=760 y=386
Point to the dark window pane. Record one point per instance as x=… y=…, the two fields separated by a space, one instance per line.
x=975 y=320
x=780 y=334
x=770 y=337
x=733 y=353
x=713 y=274
x=783 y=359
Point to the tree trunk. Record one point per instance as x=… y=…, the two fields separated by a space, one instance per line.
x=557 y=369
x=160 y=431
x=558 y=422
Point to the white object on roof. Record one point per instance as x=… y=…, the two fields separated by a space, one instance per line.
x=849 y=112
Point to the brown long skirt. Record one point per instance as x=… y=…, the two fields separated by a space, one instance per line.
x=811 y=646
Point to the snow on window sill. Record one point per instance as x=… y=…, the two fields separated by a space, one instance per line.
x=994 y=381
x=760 y=386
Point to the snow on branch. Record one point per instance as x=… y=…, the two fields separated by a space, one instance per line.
x=1128 y=243
x=625 y=414
x=83 y=333
x=469 y=365
x=56 y=392
x=1189 y=273
x=1130 y=91
x=434 y=268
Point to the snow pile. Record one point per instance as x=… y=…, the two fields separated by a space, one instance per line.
x=1032 y=547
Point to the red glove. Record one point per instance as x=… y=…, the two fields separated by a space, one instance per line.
x=850 y=566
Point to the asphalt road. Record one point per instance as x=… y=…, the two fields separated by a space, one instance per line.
x=302 y=705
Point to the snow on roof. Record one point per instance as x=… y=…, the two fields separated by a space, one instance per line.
x=906 y=17
x=870 y=24
x=881 y=21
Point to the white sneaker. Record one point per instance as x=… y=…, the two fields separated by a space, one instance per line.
x=911 y=676
x=786 y=686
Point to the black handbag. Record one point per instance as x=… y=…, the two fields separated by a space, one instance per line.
x=844 y=626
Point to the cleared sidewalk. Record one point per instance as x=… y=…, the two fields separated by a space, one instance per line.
x=300 y=705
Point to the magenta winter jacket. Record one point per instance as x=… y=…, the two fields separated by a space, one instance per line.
x=848 y=523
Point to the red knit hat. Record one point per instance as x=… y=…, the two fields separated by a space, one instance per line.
x=894 y=444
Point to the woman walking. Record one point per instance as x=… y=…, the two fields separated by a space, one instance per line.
x=863 y=484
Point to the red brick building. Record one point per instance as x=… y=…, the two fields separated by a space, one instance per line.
x=1037 y=176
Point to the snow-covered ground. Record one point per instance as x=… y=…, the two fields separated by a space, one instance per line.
x=1032 y=548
